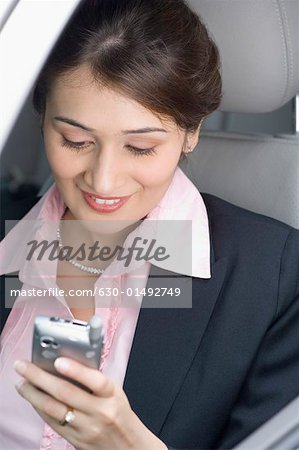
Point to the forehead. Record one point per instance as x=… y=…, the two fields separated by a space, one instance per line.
x=76 y=93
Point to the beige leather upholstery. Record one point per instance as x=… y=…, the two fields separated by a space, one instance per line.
x=259 y=46
x=255 y=172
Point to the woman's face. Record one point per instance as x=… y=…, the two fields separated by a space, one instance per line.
x=111 y=157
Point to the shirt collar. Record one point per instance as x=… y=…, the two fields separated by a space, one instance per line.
x=179 y=223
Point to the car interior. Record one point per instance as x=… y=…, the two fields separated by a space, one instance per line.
x=248 y=151
x=259 y=47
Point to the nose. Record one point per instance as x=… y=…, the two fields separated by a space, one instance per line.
x=106 y=173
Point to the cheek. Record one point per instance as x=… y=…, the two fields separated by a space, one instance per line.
x=63 y=165
x=158 y=172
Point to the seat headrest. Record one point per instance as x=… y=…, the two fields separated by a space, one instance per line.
x=258 y=42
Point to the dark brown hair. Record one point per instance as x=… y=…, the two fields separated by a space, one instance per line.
x=157 y=52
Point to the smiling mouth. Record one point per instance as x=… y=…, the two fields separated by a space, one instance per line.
x=104 y=204
x=102 y=201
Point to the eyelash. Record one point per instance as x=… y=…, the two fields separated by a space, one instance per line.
x=77 y=146
x=141 y=151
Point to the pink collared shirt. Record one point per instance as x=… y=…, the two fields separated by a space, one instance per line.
x=20 y=426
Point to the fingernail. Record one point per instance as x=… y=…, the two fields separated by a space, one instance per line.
x=19 y=384
x=20 y=366
x=61 y=364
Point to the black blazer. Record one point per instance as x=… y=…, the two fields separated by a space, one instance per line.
x=207 y=376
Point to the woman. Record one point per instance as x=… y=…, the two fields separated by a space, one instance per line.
x=120 y=101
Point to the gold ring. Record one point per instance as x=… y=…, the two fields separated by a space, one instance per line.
x=69 y=417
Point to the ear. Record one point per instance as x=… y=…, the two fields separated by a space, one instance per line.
x=191 y=139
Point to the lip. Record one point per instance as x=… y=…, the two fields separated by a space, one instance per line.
x=88 y=197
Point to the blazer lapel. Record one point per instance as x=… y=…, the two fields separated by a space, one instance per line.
x=164 y=345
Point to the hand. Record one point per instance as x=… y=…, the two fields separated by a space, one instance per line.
x=103 y=420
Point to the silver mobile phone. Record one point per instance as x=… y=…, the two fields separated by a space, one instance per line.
x=56 y=336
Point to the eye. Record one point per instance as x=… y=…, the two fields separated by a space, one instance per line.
x=75 y=145
x=141 y=151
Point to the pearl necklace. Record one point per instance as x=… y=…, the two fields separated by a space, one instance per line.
x=73 y=261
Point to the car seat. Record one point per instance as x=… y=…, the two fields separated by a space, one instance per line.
x=259 y=49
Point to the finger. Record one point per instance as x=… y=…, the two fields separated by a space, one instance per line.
x=43 y=403
x=74 y=434
x=62 y=390
x=98 y=383
x=53 y=413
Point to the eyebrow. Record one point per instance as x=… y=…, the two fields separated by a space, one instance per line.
x=74 y=123
x=144 y=130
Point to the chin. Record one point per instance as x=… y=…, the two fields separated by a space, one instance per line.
x=106 y=225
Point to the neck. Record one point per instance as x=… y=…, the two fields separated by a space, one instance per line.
x=106 y=233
